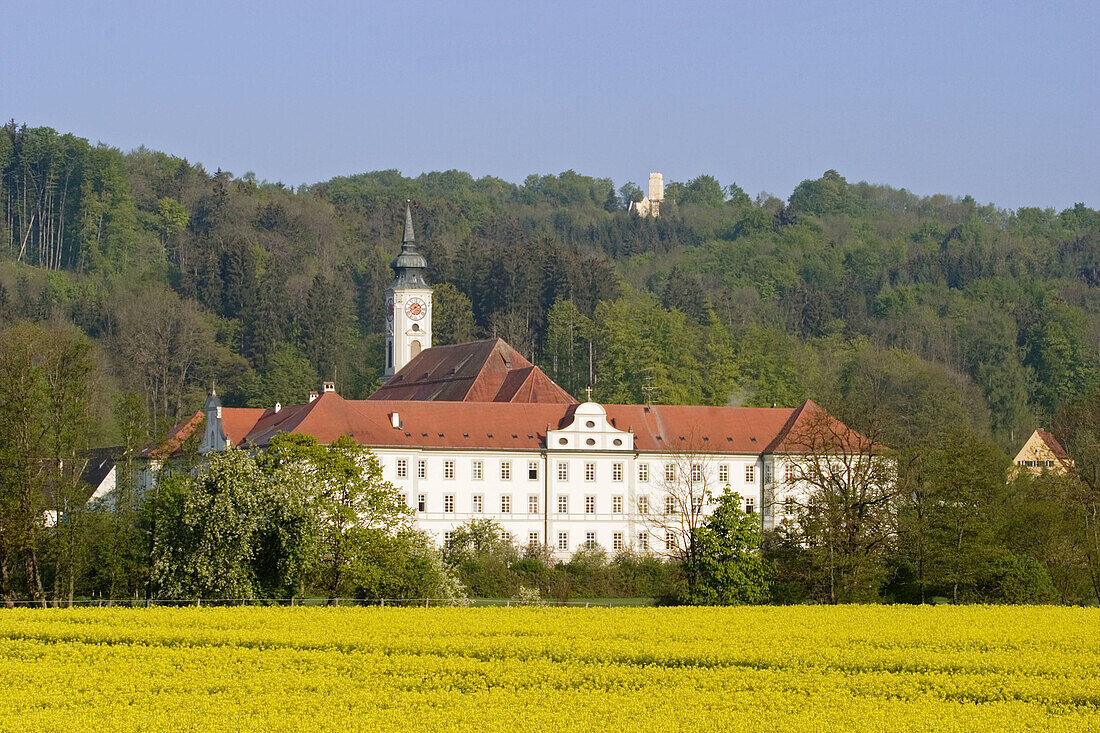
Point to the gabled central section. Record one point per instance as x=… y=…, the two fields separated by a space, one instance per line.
x=591 y=430
x=479 y=371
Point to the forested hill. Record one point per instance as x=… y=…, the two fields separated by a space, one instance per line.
x=934 y=311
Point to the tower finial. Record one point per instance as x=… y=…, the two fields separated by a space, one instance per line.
x=408 y=222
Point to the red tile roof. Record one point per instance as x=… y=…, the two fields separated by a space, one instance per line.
x=1055 y=448
x=810 y=429
x=479 y=371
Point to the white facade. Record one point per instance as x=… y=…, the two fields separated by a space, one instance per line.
x=581 y=489
x=408 y=326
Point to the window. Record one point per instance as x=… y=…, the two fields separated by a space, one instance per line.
x=563 y=540
x=643 y=541
x=421 y=502
x=617 y=541
x=449 y=503
x=670 y=541
x=532 y=539
x=750 y=474
x=670 y=472
x=617 y=504
x=590 y=472
x=533 y=504
x=505 y=470
x=750 y=505
x=696 y=472
x=447 y=536
x=404 y=499
x=402 y=468
x=448 y=469
x=477 y=470
x=563 y=504
x=643 y=505
x=533 y=470
x=616 y=472
x=788 y=472
x=507 y=537
x=788 y=506
x=589 y=539
x=478 y=504
x=723 y=473
x=697 y=505
x=563 y=471
x=670 y=505
x=422 y=469
x=589 y=505
x=506 y=504
x=643 y=473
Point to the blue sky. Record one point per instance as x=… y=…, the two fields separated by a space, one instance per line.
x=997 y=100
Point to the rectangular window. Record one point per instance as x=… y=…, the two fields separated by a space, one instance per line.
x=643 y=541
x=507 y=537
x=563 y=504
x=643 y=505
x=750 y=474
x=670 y=505
x=447 y=536
x=590 y=539
x=532 y=539
x=478 y=504
x=616 y=472
x=697 y=505
x=670 y=541
x=563 y=540
x=590 y=472
x=723 y=473
x=477 y=470
x=589 y=505
x=505 y=470
x=788 y=506
x=643 y=473
x=533 y=470
x=617 y=541
x=617 y=504
x=506 y=504
x=696 y=472
x=670 y=472
x=448 y=503
x=422 y=469
x=533 y=504
x=563 y=471
x=402 y=468
x=404 y=499
x=788 y=472
x=421 y=502
x=448 y=469
x=750 y=505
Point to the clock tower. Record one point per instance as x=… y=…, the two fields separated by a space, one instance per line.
x=408 y=305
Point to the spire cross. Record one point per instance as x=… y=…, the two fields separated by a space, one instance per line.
x=588 y=391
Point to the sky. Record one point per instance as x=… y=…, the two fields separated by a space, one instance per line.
x=997 y=100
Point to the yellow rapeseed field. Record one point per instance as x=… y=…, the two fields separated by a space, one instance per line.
x=551 y=669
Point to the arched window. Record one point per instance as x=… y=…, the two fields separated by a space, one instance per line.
x=414 y=349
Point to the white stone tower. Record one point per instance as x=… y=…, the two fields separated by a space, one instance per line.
x=656 y=193
x=408 y=305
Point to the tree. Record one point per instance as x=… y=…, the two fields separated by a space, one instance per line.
x=568 y=351
x=611 y=203
x=729 y=568
x=452 y=316
x=205 y=542
x=482 y=557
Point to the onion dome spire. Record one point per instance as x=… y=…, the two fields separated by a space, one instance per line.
x=409 y=267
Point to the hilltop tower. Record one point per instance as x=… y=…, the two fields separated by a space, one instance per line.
x=408 y=304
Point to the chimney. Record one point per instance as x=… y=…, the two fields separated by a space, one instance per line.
x=312 y=395
x=395 y=420
x=328 y=386
x=278 y=406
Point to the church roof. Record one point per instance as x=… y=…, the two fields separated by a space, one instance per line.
x=478 y=371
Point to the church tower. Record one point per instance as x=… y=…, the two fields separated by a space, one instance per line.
x=408 y=305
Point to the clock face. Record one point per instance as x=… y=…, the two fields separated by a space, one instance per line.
x=415 y=309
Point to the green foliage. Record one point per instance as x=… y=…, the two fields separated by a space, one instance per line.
x=727 y=563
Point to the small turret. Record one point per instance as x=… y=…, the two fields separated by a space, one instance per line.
x=213 y=437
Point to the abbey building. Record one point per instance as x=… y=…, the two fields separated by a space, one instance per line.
x=476 y=431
